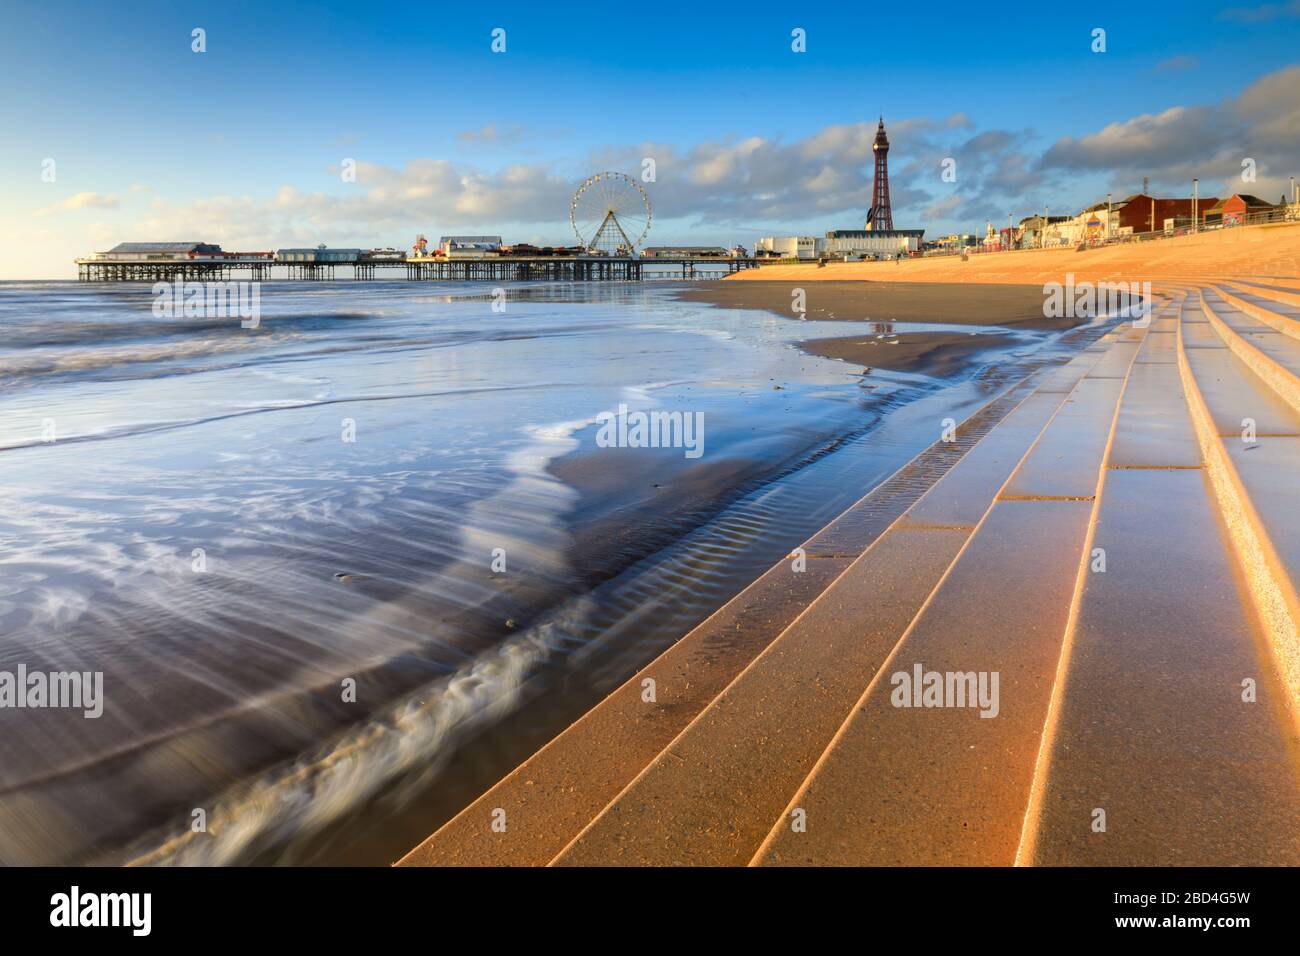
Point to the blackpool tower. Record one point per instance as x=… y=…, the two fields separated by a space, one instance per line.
x=879 y=216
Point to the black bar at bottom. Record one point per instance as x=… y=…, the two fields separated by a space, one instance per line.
x=452 y=908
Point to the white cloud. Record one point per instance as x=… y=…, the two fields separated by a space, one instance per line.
x=1208 y=142
x=80 y=201
x=1148 y=139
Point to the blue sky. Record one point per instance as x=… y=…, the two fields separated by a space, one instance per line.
x=242 y=144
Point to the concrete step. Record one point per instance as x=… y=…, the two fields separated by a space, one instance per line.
x=1147 y=434
x=1272 y=312
x=905 y=785
x=1151 y=757
x=549 y=798
x=1276 y=289
x=1064 y=463
x=711 y=796
x=1235 y=395
x=1272 y=356
x=1250 y=443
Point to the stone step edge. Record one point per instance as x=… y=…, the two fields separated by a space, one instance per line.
x=1271 y=588
x=1030 y=824
x=1284 y=324
x=1288 y=295
x=1284 y=382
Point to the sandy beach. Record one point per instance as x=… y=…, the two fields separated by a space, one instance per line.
x=879 y=300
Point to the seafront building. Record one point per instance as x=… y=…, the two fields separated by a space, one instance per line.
x=469 y=247
x=842 y=244
x=154 y=251
x=321 y=254
x=1236 y=207
x=1143 y=213
x=1138 y=214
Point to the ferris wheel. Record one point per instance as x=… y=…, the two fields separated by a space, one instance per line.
x=610 y=214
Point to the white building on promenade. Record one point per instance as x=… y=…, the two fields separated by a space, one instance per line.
x=842 y=244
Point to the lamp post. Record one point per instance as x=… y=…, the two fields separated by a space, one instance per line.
x=1196 y=197
x=1108 y=215
x=1043 y=244
x=1294 y=197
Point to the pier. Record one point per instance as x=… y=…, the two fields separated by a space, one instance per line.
x=436 y=269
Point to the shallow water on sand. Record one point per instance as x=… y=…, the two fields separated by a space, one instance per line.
x=202 y=530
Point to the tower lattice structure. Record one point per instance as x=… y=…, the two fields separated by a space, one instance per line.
x=880 y=216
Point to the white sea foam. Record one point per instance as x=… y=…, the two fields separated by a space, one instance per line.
x=318 y=788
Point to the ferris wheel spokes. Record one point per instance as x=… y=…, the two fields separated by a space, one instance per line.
x=610 y=214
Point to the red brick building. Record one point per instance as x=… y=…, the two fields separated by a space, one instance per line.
x=1143 y=213
x=1236 y=206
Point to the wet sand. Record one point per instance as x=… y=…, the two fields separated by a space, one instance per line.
x=874 y=301
x=938 y=354
x=634 y=501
